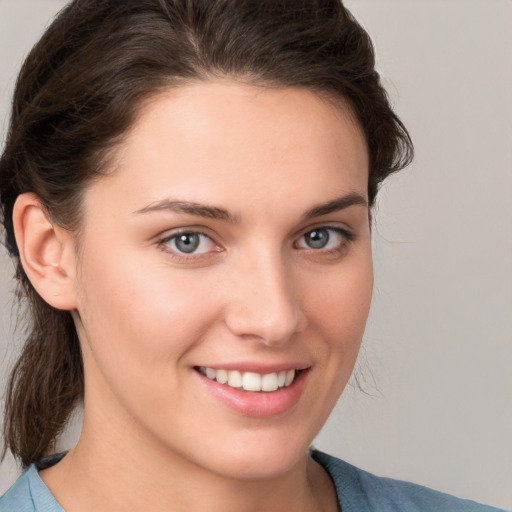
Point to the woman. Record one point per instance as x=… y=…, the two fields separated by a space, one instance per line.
x=186 y=189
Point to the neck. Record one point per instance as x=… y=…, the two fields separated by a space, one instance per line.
x=100 y=474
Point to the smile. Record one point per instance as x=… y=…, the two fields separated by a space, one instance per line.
x=250 y=381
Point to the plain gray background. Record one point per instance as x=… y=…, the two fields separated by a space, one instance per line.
x=437 y=354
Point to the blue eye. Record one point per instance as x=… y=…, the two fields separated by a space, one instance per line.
x=317 y=239
x=324 y=238
x=189 y=243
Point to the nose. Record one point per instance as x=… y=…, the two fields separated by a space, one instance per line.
x=263 y=303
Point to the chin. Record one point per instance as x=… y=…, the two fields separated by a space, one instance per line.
x=264 y=459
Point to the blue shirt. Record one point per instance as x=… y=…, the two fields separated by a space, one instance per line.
x=357 y=490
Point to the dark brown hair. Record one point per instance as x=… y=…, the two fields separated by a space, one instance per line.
x=78 y=93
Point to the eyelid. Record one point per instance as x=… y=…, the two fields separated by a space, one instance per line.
x=347 y=235
x=342 y=230
x=193 y=229
x=164 y=239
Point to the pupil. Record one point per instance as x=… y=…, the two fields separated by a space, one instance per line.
x=318 y=238
x=187 y=242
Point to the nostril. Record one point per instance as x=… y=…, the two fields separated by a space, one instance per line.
x=271 y=329
x=263 y=304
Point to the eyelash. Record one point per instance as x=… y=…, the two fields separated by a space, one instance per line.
x=346 y=236
x=182 y=256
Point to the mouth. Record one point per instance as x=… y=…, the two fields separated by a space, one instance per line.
x=254 y=390
x=250 y=381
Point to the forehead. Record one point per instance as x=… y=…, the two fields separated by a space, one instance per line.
x=221 y=137
x=209 y=110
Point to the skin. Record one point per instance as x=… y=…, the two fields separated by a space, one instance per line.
x=254 y=292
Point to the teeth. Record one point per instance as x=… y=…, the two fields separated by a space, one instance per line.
x=250 y=381
x=235 y=379
x=221 y=376
x=290 y=375
x=269 y=382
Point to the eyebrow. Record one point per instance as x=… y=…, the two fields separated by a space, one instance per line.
x=217 y=213
x=336 y=205
x=192 y=208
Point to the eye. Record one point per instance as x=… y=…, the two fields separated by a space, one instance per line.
x=327 y=238
x=189 y=242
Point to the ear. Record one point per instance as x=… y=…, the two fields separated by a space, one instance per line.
x=47 y=252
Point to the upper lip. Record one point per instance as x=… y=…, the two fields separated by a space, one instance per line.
x=262 y=368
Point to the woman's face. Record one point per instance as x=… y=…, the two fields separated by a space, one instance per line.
x=231 y=241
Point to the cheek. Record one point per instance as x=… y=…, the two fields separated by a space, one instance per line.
x=141 y=316
x=341 y=304
x=337 y=313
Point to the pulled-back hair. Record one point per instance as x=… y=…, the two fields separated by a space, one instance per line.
x=78 y=92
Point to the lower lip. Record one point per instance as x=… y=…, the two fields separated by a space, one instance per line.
x=258 y=404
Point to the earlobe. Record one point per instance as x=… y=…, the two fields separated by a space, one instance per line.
x=46 y=252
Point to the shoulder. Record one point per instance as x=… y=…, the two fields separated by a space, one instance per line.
x=360 y=491
x=29 y=494
x=19 y=497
